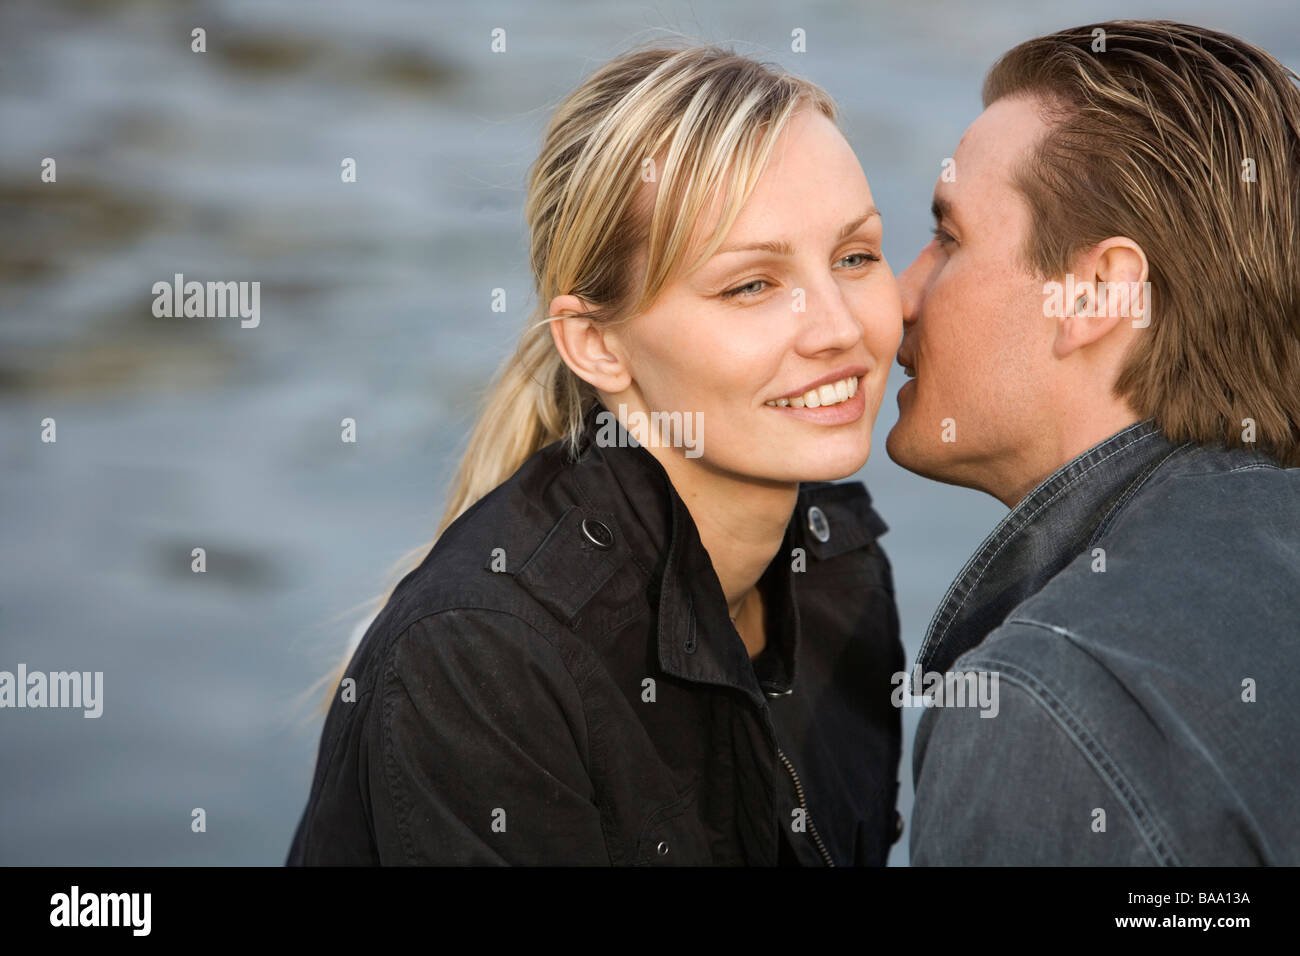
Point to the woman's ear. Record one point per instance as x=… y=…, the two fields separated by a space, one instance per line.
x=591 y=350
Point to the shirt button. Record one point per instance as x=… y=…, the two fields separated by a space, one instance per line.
x=662 y=848
x=818 y=525
x=597 y=533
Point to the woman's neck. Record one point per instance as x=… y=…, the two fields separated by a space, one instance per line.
x=741 y=522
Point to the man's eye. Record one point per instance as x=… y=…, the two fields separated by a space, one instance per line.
x=942 y=237
x=740 y=289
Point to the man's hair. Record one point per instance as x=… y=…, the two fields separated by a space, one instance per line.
x=1187 y=141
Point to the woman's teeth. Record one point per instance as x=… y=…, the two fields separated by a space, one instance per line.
x=831 y=394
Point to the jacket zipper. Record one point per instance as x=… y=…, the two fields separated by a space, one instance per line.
x=798 y=789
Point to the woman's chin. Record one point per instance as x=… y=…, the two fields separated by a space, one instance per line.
x=830 y=464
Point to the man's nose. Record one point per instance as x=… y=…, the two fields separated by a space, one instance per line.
x=911 y=285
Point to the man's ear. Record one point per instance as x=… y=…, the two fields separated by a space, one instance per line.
x=1110 y=288
x=592 y=351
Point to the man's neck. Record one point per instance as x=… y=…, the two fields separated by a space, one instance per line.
x=1079 y=430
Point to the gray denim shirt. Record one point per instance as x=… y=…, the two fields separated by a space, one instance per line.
x=1135 y=622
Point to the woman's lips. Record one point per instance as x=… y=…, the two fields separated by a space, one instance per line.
x=830 y=392
x=838 y=414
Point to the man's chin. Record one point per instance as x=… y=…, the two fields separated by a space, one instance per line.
x=929 y=456
x=896 y=446
x=904 y=450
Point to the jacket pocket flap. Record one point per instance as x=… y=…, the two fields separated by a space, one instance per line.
x=843 y=515
x=570 y=565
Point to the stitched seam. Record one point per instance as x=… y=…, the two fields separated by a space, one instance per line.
x=325 y=762
x=1132 y=490
x=396 y=795
x=478 y=602
x=1144 y=819
x=938 y=639
x=967 y=567
x=669 y=811
x=1239 y=803
x=402 y=806
x=1092 y=752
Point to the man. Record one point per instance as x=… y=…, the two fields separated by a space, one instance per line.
x=1105 y=335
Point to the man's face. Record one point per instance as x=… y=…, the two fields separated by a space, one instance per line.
x=975 y=336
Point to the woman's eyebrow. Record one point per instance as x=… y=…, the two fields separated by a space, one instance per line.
x=781 y=247
x=849 y=227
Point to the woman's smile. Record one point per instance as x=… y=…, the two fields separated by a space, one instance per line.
x=830 y=393
x=840 y=413
x=834 y=399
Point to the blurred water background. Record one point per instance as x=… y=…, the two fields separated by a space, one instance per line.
x=183 y=433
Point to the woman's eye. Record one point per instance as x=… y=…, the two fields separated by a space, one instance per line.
x=868 y=257
x=740 y=289
x=754 y=287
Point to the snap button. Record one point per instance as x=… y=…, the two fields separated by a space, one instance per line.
x=779 y=693
x=898 y=825
x=818 y=525
x=597 y=533
x=662 y=848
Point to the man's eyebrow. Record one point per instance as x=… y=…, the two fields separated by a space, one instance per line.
x=782 y=248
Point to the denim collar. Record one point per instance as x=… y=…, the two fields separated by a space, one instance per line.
x=696 y=639
x=1042 y=534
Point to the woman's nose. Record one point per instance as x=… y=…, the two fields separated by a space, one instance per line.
x=835 y=327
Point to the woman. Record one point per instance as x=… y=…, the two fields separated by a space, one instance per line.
x=650 y=631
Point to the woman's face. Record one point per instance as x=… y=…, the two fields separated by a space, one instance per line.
x=779 y=346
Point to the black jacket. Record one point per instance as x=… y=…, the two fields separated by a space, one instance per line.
x=593 y=704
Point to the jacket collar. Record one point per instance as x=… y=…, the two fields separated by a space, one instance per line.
x=1039 y=536
x=696 y=640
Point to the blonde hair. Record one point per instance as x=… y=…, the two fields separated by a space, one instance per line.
x=715 y=116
